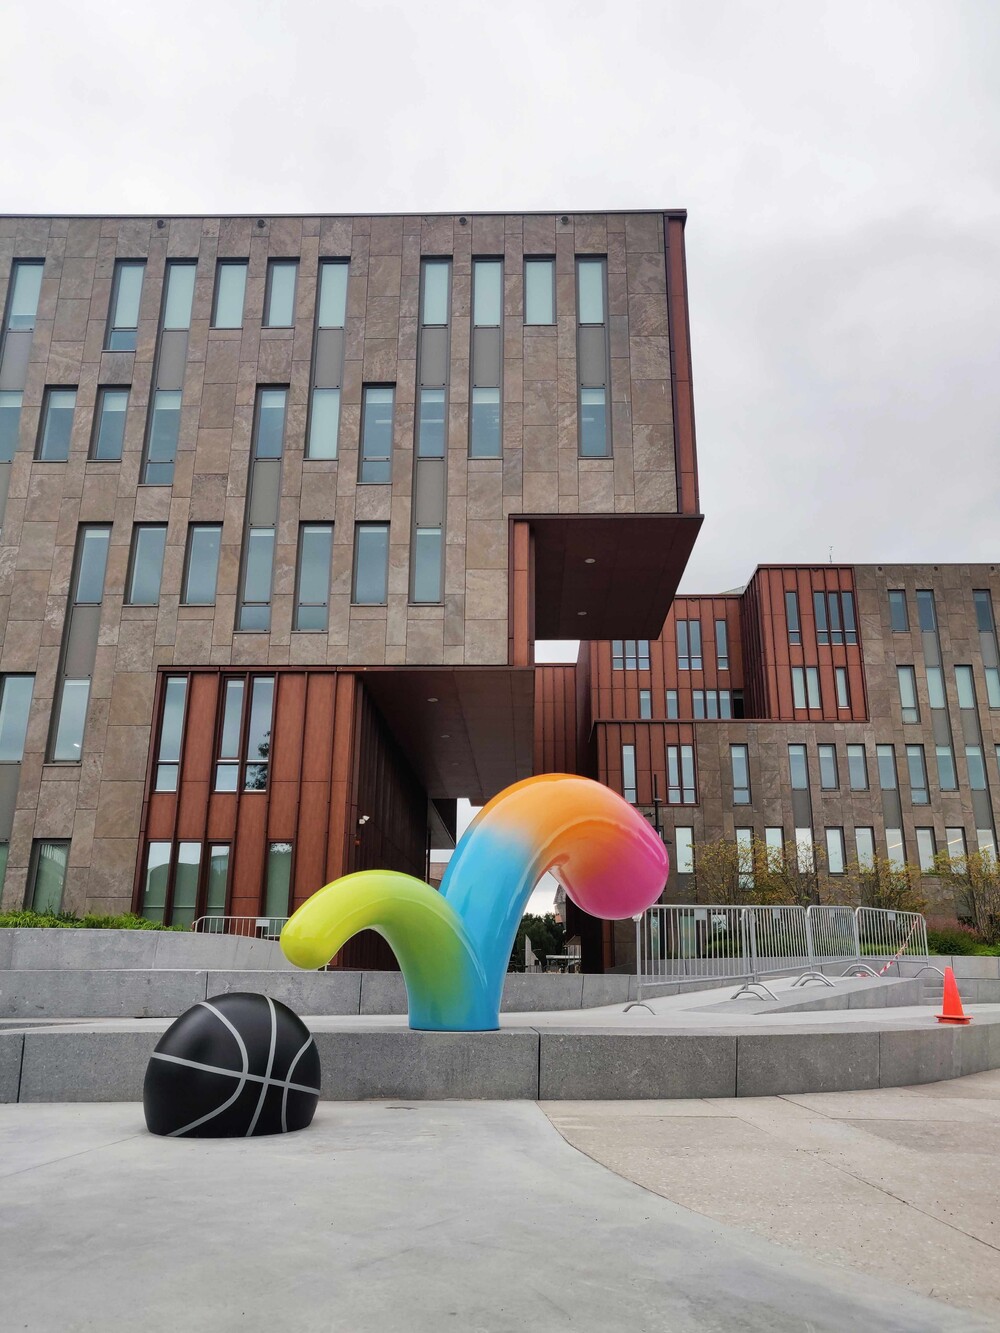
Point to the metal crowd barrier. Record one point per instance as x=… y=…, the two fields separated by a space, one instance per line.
x=251 y=927
x=680 y=942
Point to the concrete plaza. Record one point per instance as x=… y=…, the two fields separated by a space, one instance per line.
x=480 y=1216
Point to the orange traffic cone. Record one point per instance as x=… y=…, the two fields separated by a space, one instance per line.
x=951 y=1010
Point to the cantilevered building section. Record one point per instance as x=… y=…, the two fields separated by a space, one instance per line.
x=853 y=708
x=286 y=503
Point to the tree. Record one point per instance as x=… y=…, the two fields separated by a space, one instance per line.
x=884 y=883
x=547 y=936
x=726 y=872
x=975 y=881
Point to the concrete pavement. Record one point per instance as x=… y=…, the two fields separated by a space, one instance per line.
x=393 y=1217
x=900 y=1183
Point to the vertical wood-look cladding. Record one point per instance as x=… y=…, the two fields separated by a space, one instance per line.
x=773 y=656
x=332 y=759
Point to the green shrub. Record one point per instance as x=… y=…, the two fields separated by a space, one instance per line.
x=68 y=921
x=953 y=940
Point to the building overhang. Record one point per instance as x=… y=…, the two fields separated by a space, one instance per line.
x=466 y=731
x=608 y=576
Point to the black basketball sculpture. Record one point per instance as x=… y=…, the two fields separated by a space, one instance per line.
x=232 y=1067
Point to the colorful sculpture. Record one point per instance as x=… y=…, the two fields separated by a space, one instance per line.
x=453 y=946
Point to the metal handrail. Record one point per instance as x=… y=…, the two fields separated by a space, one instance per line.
x=258 y=927
x=680 y=941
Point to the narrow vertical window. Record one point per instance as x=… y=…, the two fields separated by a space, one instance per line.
x=833 y=608
x=259 y=734
x=886 y=756
x=484 y=419
x=371 y=563
x=744 y=857
x=435 y=295
x=956 y=843
x=683 y=648
x=590 y=290
x=73 y=700
x=88 y=589
x=684 y=851
x=798 y=767
x=899 y=616
x=279 y=298
x=109 y=425
x=156 y=881
x=966 y=687
x=56 y=425
x=539 y=291
x=430 y=423
x=230 y=294
x=804 y=853
x=149 y=542
x=201 y=566
x=642 y=652
x=698 y=704
x=740 y=765
x=25 y=290
x=722 y=645
x=376 y=434
x=258 y=573
x=324 y=424
x=227 y=769
x=864 y=842
x=926 y=613
x=592 y=364
x=947 y=773
x=774 y=841
x=187 y=870
x=895 y=847
x=857 y=767
x=819 y=611
x=47 y=876
x=168 y=756
x=178 y=299
x=926 y=851
x=976 y=766
x=15 y=705
x=312 y=599
x=10 y=423
x=487 y=293
x=427 y=565
x=907 y=682
x=164 y=431
x=843 y=691
x=331 y=312
x=672 y=704
x=269 y=438
x=617 y=655
x=935 y=687
x=277 y=889
x=694 y=634
x=123 y=318
x=218 y=880
x=593 y=422
x=835 y=851
x=645 y=704
x=812 y=687
x=828 y=777
x=628 y=773
x=798 y=687
x=792 y=617
x=917 y=770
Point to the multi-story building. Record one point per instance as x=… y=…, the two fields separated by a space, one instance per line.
x=853 y=708
x=285 y=502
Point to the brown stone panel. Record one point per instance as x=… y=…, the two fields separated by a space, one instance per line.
x=249 y=856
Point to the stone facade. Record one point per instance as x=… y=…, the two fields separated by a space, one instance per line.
x=98 y=802
x=873 y=715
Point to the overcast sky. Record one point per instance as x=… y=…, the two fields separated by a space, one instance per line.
x=840 y=164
